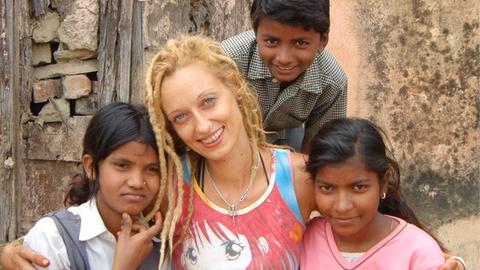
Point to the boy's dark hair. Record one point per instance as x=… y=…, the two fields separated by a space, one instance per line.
x=302 y=13
x=341 y=139
x=111 y=127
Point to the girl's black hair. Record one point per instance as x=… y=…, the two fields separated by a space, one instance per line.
x=111 y=127
x=300 y=13
x=341 y=139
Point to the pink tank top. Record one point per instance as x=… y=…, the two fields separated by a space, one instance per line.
x=265 y=235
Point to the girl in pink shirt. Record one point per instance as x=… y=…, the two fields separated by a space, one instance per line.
x=365 y=223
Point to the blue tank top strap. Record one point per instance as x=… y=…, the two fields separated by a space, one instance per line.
x=284 y=179
x=186 y=169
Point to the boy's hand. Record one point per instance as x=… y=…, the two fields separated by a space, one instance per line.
x=134 y=242
x=16 y=256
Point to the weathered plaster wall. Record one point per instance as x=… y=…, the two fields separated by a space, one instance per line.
x=413 y=68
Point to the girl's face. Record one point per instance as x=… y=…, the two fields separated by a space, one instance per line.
x=347 y=195
x=129 y=180
x=204 y=112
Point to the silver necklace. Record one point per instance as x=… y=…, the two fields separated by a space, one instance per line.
x=233 y=208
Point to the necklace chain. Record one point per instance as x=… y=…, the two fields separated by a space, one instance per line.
x=233 y=208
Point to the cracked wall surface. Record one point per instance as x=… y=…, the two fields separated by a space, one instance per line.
x=413 y=68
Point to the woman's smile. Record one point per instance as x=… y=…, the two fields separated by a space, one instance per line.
x=214 y=139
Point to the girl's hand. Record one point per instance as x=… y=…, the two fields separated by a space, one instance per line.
x=16 y=256
x=134 y=242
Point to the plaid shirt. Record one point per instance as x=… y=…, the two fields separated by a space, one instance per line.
x=317 y=96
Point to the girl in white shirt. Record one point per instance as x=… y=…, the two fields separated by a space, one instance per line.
x=120 y=180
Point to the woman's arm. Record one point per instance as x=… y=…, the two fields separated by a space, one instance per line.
x=453 y=263
x=303 y=186
x=16 y=256
x=44 y=238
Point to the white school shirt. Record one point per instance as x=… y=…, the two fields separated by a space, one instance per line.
x=99 y=242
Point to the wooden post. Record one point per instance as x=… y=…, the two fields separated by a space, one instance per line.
x=107 y=62
x=14 y=71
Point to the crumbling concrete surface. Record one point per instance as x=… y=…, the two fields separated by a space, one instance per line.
x=413 y=68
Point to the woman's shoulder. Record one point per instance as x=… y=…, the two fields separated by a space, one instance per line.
x=302 y=182
x=298 y=160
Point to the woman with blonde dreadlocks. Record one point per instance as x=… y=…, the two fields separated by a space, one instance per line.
x=245 y=202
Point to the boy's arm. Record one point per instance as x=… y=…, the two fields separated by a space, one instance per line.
x=332 y=104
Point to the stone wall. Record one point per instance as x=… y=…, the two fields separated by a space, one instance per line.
x=64 y=51
x=413 y=68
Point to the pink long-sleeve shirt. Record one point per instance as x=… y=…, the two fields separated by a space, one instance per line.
x=407 y=247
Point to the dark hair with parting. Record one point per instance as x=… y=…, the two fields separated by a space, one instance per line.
x=341 y=139
x=111 y=127
x=301 y=13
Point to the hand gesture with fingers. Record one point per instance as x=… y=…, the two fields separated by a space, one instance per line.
x=134 y=242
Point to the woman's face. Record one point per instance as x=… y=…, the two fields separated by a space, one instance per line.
x=204 y=112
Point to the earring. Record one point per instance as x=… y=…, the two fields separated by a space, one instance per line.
x=144 y=183
x=187 y=149
x=383 y=196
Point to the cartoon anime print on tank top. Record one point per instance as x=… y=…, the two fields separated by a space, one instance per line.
x=266 y=234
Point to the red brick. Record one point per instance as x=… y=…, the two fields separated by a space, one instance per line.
x=44 y=89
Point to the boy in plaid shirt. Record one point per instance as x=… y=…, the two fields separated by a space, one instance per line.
x=299 y=84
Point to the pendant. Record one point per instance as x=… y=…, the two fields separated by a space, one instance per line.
x=232 y=211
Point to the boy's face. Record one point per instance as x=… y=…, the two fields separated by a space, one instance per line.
x=287 y=50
